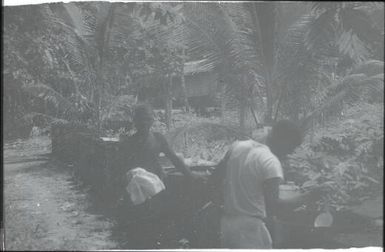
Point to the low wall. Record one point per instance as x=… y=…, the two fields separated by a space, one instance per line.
x=95 y=162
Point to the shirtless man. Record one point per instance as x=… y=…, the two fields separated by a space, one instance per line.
x=143 y=148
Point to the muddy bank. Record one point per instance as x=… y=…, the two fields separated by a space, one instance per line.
x=44 y=209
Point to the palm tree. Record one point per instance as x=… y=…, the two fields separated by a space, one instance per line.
x=239 y=39
x=93 y=35
x=209 y=32
x=27 y=40
x=89 y=39
x=328 y=44
x=242 y=37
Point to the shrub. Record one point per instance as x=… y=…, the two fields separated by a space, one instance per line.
x=347 y=155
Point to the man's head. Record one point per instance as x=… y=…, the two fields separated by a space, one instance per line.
x=143 y=117
x=284 y=137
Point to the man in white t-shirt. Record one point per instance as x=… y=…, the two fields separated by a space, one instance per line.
x=251 y=187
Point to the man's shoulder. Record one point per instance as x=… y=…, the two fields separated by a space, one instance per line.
x=240 y=143
x=248 y=144
x=259 y=151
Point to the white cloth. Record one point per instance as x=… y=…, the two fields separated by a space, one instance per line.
x=143 y=185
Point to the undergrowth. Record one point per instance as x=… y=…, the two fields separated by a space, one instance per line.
x=346 y=154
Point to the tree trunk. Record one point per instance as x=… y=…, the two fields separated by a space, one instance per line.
x=168 y=102
x=102 y=45
x=264 y=17
x=278 y=105
x=243 y=102
x=257 y=124
x=99 y=89
x=184 y=95
x=269 y=98
x=223 y=102
x=98 y=105
x=183 y=86
x=268 y=116
x=242 y=115
x=185 y=143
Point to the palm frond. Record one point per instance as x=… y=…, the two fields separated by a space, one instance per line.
x=205 y=32
x=243 y=49
x=104 y=24
x=364 y=76
x=320 y=7
x=369 y=68
x=349 y=44
x=345 y=25
x=70 y=16
x=376 y=83
x=306 y=122
x=359 y=22
x=126 y=27
x=320 y=35
x=293 y=53
x=298 y=71
x=266 y=15
x=222 y=29
x=49 y=95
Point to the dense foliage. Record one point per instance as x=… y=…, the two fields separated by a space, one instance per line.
x=347 y=154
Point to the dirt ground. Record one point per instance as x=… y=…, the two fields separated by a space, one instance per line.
x=43 y=208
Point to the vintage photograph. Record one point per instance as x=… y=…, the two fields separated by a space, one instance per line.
x=192 y=125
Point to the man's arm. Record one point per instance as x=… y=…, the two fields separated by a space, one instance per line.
x=170 y=154
x=275 y=206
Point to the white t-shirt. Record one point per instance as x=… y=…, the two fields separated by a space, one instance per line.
x=249 y=165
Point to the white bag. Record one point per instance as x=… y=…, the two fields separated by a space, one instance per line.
x=143 y=185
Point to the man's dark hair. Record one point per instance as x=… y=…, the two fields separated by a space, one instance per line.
x=288 y=132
